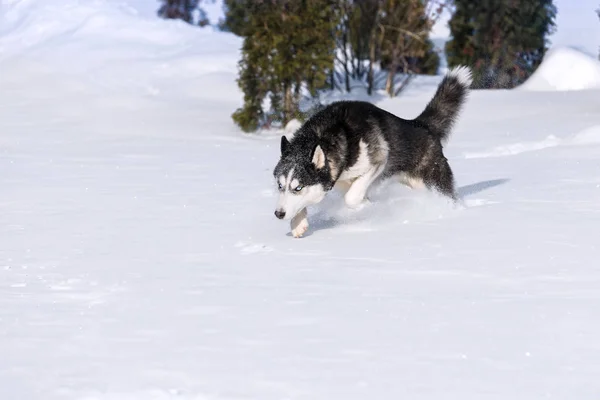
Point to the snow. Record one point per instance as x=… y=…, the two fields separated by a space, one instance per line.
x=565 y=69
x=140 y=260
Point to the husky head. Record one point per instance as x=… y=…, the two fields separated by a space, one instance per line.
x=302 y=177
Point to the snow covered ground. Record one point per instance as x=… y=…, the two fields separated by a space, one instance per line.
x=140 y=258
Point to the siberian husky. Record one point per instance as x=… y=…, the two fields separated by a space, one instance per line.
x=352 y=144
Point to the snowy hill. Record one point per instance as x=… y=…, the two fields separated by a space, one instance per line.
x=565 y=69
x=140 y=260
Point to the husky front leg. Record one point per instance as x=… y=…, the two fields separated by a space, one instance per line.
x=355 y=197
x=343 y=186
x=300 y=223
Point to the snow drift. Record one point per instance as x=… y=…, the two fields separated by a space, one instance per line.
x=110 y=42
x=565 y=69
x=101 y=53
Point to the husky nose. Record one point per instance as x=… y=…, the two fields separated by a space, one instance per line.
x=279 y=214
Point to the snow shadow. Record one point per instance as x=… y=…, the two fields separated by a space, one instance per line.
x=478 y=187
x=391 y=204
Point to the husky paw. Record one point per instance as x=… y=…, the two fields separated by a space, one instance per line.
x=299 y=224
x=300 y=229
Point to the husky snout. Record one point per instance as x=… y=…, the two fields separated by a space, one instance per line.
x=280 y=214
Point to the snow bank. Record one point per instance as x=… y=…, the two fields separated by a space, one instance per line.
x=589 y=135
x=565 y=69
x=110 y=41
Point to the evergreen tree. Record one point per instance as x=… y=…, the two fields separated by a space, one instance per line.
x=356 y=20
x=405 y=38
x=502 y=40
x=183 y=10
x=345 y=18
x=252 y=81
x=237 y=16
x=430 y=62
x=288 y=48
x=374 y=30
x=374 y=11
x=361 y=22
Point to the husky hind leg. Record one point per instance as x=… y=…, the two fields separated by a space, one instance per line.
x=410 y=181
x=441 y=178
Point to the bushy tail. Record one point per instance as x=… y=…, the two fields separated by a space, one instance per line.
x=442 y=110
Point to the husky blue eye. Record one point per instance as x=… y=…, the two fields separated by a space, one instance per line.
x=298 y=188
x=280 y=186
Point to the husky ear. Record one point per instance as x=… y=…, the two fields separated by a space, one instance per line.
x=318 y=158
x=284 y=145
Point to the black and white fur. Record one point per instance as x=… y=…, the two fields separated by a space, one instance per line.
x=352 y=144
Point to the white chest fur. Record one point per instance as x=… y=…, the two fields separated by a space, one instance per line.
x=360 y=167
